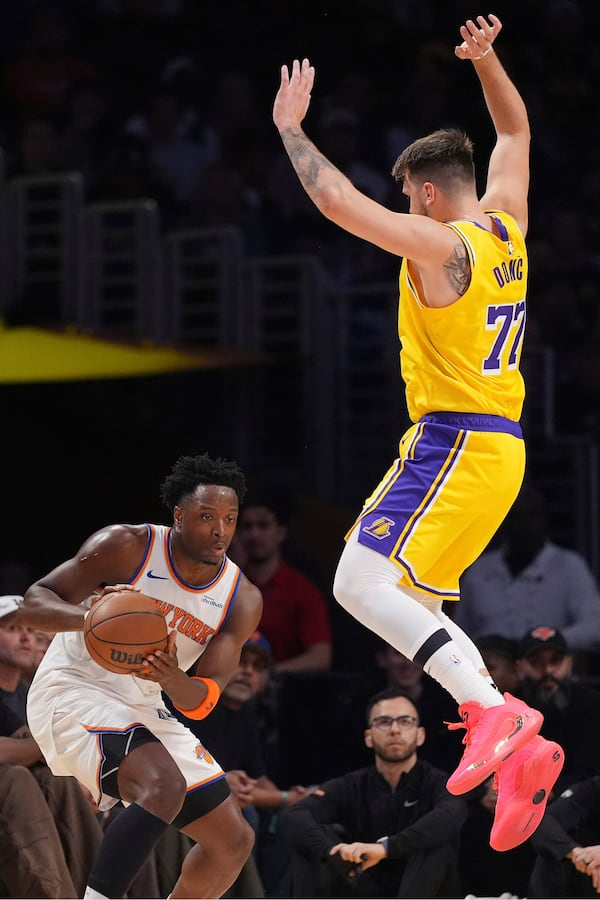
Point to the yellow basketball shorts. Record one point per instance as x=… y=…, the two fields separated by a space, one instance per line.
x=443 y=499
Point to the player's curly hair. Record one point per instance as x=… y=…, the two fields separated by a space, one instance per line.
x=443 y=157
x=190 y=471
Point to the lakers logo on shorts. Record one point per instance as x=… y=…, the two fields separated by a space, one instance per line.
x=380 y=528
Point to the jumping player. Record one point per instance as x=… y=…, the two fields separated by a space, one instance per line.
x=113 y=732
x=460 y=466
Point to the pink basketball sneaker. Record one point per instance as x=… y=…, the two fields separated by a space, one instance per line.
x=524 y=783
x=493 y=733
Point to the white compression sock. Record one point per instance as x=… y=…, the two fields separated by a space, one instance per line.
x=366 y=585
x=465 y=643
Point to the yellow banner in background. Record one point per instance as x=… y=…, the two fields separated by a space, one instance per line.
x=37 y=355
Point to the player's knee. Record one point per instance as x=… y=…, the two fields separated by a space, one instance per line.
x=345 y=587
x=163 y=797
x=241 y=846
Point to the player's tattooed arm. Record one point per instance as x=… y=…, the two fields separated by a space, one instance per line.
x=458 y=269
x=306 y=159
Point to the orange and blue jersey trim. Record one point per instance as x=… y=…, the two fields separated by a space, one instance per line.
x=149 y=545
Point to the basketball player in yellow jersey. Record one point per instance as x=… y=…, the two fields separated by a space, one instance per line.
x=460 y=466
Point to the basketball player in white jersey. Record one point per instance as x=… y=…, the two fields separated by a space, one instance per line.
x=113 y=732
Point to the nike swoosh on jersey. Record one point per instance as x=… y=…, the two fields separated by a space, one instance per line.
x=150 y=574
x=410 y=802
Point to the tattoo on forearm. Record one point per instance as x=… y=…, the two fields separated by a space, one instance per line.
x=458 y=269
x=306 y=159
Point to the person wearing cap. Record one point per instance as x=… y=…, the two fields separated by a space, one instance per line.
x=17 y=649
x=571 y=709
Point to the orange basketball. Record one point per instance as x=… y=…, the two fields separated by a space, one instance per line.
x=122 y=629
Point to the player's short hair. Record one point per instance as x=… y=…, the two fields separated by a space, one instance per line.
x=444 y=157
x=190 y=471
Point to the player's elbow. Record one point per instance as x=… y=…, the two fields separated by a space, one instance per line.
x=334 y=201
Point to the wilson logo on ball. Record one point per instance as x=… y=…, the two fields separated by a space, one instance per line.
x=123 y=629
x=130 y=659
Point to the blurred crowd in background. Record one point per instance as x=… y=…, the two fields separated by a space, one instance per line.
x=172 y=99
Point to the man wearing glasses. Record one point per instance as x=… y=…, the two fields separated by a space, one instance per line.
x=388 y=830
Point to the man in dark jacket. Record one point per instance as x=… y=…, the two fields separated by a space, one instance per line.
x=571 y=709
x=389 y=830
x=567 y=842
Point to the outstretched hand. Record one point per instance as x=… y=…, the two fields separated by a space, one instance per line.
x=293 y=97
x=477 y=41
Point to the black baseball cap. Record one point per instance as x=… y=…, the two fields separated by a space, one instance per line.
x=540 y=637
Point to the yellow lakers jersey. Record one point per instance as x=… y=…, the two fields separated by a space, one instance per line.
x=465 y=357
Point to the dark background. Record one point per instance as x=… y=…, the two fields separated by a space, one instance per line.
x=79 y=456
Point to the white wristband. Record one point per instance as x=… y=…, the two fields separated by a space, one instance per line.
x=483 y=55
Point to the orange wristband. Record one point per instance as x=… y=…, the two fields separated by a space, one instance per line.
x=213 y=692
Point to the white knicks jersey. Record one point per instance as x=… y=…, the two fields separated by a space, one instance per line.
x=195 y=613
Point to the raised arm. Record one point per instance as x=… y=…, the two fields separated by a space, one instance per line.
x=416 y=237
x=508 y=172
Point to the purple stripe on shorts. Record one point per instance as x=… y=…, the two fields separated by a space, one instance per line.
x=402 y=495
x=475 y=422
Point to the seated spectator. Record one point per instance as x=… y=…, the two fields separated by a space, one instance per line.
x=32 y=862
x=388 y=830
x=21 y=651
x=528 y=580
x=443 y=748
x=295 y=617
x=484 y=872
x=545 y=670
x=231 y=734
x=500 y=658
x=567 y=843
x=79 y=831
x=17 y=648
x=571 y=710
x=41 y=642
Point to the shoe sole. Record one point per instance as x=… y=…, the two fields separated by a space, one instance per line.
x=476 y=773
x=527 y=805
